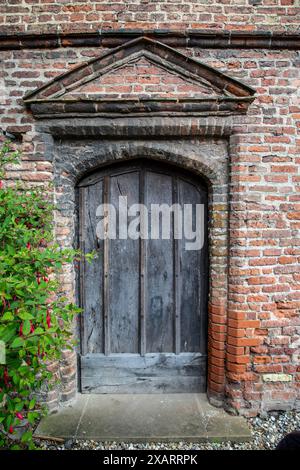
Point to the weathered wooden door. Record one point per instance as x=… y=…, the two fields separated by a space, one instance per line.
x=144 y=320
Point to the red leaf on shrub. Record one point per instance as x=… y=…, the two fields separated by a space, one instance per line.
x=4 y=304
x=11 y=430
x=19 y=416
x=6 y=377
x=43 y=242
x=21 y=330
x=48 y=319
x=28 y=246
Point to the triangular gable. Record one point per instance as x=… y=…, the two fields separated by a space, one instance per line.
x=138 y=77
x=154 y=76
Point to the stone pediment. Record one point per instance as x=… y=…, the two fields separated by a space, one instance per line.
x=140 y=76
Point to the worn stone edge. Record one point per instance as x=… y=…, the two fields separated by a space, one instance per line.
x=187 y=38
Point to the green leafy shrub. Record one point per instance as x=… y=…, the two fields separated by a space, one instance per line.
x=34 y=322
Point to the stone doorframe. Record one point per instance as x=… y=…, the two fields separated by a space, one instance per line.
x=201 y=145
x=85 y=127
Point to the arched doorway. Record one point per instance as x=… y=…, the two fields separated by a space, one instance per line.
x=144 y=299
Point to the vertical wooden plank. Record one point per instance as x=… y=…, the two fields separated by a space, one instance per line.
x=106 y=271
x=159 y=277
x=83 y=348
x=142 y=270
x=190 y=279
x=123 y=307
x=176 y=262
x=92 y=273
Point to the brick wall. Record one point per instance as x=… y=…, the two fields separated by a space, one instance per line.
x=264 y=271
x=63 y=15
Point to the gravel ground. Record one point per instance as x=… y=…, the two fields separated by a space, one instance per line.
x=267 y=431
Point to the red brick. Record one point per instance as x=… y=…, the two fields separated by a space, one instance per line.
x=238 y=359
x=244 y=323
x=236 y=368
x=219 y=379
x=293 y=215
x=237 y=333
x=215 y=386
x=217 y=361
x=235 y=350
x=244 y=341
x=236 y=315
x=261 y=359
x=261 y=280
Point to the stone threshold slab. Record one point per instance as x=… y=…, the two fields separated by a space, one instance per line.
x=144 y=418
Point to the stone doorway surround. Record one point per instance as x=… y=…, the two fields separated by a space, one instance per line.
x=84 y=130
